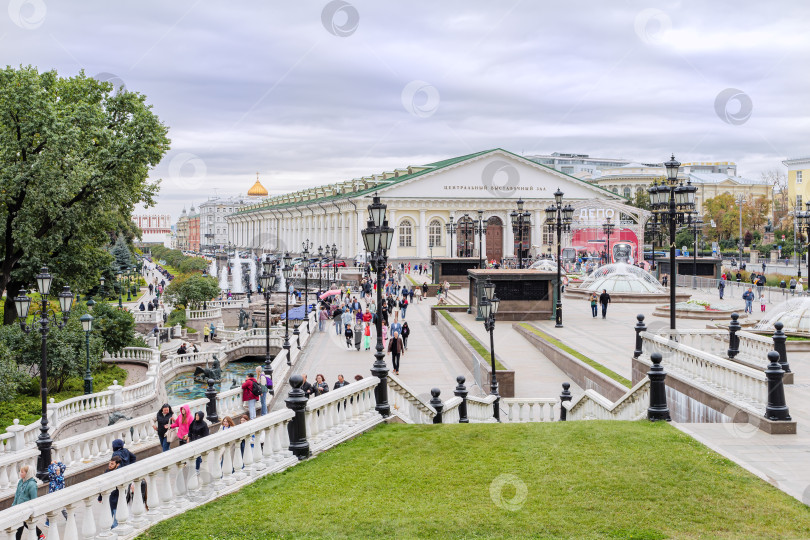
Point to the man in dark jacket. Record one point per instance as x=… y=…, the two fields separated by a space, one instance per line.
x=341 y=382
x=127 y=457
x=396 y=348
x=604 y=300
x=309 y=391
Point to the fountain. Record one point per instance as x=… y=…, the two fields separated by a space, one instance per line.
x=237 y=286
x=281 y=283
x=223 y=277
x=212 y=268
x=252 y=266
x=794 y=314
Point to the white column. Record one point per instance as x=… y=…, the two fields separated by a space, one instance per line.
x=537 y=233
x=392 y=222
x=422 y=242
x=483 y=246
x=359 y=225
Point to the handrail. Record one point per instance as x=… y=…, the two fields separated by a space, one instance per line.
x=407 y=404
x=529 y=409
x=592 y=405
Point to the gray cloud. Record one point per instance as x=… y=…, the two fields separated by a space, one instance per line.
x=267 y=88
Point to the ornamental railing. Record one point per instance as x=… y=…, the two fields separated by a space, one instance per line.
x=592 y=405
x=197 y=314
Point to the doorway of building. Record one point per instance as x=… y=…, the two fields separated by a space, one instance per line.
x=494 y=238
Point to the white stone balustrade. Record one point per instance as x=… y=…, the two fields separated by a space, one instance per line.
x=73 y=407
x=594 y=406
x=153 y=317
x=232 y=303
x=754 y=348
x=480 y=410
x=406 y=404
x=197 y=314
x=450 y=414
x=746 y=387
x=528 y=409
x=330 y=416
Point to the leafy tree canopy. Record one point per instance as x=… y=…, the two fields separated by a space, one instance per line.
x=191 y=290
x=74 y=161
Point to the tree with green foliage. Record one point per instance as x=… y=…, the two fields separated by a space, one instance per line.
x=191 y=290
x=123 y=258
x=193 y=265
x=114 y=326
x=10 y=375
x=75 y=157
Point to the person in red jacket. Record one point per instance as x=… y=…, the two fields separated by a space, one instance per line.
x=249 y=396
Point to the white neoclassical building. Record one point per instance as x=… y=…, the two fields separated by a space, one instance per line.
x=421 y=201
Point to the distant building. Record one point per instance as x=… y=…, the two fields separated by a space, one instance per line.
x=798 y=179
x=579 y=165
x=155 y=228
x=213 y=227
x=181 y=232
x=193 y=230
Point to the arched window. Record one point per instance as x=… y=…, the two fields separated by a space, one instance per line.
x=627 y=192
x=405 y=233
x=616 y=190
x=435 y=233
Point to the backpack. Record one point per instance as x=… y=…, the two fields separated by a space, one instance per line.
x=256 y=388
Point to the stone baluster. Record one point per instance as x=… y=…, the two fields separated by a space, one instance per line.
x=153 y=497
x=461 y=391
x=71 y=530
x=247 y=455
x=658 y=409
x=733 y=338
x=640 y=327
x=779 y=339
x=777 y=408
x=88 y=520
x=122 y=510
x=565 y=396
x=437 y=404
x=167 y=498
x=53 y=531
x=258 y=463
x=139 y=520
x=17 y=442
x=268 y=446
x=238 y=460
x=180 y=499
x=227 y=465
x=105 y=521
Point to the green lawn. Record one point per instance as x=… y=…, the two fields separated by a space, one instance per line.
x=593 y=363
x=551 y=480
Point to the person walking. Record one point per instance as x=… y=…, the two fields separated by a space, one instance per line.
x=206 y=333
x=265 y=384
x=198 y=429
x=309 y=390
x=748 y=296
x=367 y=337
x=604 y=299
x=322 y=316
x=425 y=289
x=321 y=386
x=112 y=465
x=249 y=394
x=163 y=420
x=347 y=318
x=127 y=457
x=341 y=382
x=337 y=316
x=792 y=286
x=349 y=333
x=721 y=287
x=403 y=304
x=417 y=291
x=594 y=302
x=397 y=348
x=182 y=422
x=760 y=284
x=406 y=331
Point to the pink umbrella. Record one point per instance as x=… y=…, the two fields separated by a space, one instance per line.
x=329 y=293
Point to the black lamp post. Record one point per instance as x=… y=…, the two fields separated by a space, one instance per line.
x=267 y=280
x=129 y=283
x=377 y=238
x=803 y=225
x=464 y=231
x=671 y=201
x=320 y=274
x=696 y=226
x=334 y=262
x=653 y=228
x=120 y=282
x=87 y=326
x=306 y=245
x=520 y=220
x=559 y=219
x=297 y=333
x=489 y=308
x=23 y=304
x=481 y=229
x=607 y=228
x=287 y=271
x=451 y=230
x=101 y=289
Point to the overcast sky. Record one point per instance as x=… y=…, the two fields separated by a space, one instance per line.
x=312 y=92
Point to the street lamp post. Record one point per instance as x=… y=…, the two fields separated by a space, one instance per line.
x=451 y=230
x=120 y=282
x=520 y=220
x=559 y=219
x=287 y=271
x=87 y=326
x=129 y=283
x=377 y=237
x=267 y=280
x=607 y=228
x=672 y=201
x=306 y=245
x=101 y=289
x=481 y=229
x=696 y=226
x=489 y=308
x=320 y=274
x=653 y=229
x=23 y=304
x=334 y=262
x=803 y=224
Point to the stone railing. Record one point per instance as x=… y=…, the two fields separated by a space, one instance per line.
x=450 y=412
x=197 y=314
x=142 y=355
x=594 y=406
x=406 y=404
x=480 y=410
x=528 y=409
x=10 y=466
x=232 y=303
x=329 y=415
x=68 y=409
x=753 y=348
x=742 y=385
x=153 y=317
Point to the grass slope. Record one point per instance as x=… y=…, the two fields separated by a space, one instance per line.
x=472 y=340
x=574 y=480
x=593 y=363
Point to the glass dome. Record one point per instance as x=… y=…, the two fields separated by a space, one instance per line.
x=622 y=278
x=793 y=314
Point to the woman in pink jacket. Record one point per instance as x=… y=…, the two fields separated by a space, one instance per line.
x=182 y=423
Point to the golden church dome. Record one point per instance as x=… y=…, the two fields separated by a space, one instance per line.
x=258 y=189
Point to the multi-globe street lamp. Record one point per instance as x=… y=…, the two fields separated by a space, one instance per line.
x=267 y=280
x=377 y=238
x=120 y=282
x=672 y=201
x=489 y=308
x=803 y=225
x=320 y=274
x=520 y=220
x=334 y=252
x=451 y=230
x=558 y=219
x=654 y=229
x=481 y=231
x=287 y=272
x=607 y=227
x=23 y=305
x=306 y=245
x=87 y=326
